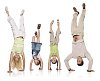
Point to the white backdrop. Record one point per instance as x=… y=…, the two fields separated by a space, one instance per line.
x=43 y=11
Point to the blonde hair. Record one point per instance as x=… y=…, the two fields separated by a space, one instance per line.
x=16 y=64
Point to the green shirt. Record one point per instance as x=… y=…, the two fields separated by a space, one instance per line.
x=54 y=50
x=18 y=45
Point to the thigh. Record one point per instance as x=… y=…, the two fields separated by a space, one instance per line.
x=38 y=46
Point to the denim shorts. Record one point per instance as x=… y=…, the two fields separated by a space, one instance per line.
x=36 y=47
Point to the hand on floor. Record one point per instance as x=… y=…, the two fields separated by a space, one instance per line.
x=90 y=71
x=9 y=71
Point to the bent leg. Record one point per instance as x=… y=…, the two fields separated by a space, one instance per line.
x=74 y=23
x=58 y=32
x=81 y=22
x=22 y=28
x=13 y=26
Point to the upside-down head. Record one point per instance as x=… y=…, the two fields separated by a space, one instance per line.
x=17 y=62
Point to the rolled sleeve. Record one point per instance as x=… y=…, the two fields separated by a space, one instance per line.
x=67 y=61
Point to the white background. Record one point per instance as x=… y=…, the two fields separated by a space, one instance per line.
x=43 y=11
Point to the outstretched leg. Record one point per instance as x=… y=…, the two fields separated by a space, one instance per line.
x=38 y=32
x=74 y=21
x=12 y=23
x=81 y=21
x=58 y=32
x=51 y=32
x=22 y=28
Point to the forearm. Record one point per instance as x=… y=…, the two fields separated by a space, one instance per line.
x=67 y=60
x=9 y=66
x=23 y=58
x=31 y=64
x=88 y=56
x=59 y=63
x=23 y=64
x=49 y=65
x=10 y=61
x=67 y=64
x=41 y=65
x=90 y=64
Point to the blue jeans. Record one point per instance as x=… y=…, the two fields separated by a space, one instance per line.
x=36 y=47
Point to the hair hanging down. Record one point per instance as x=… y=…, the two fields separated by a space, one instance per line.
x=16 y=64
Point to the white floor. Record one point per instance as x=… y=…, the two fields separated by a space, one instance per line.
x=43 y=11
x=49 y=75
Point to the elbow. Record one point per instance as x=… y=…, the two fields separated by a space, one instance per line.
x=91 y=60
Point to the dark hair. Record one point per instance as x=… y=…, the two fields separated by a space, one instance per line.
x=81 y=64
